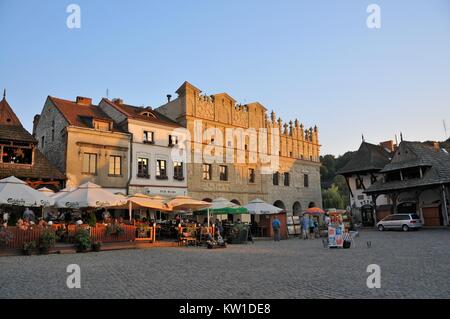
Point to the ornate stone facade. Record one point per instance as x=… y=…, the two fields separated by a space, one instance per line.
x=298 y=151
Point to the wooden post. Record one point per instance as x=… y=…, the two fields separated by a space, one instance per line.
x=445 y=207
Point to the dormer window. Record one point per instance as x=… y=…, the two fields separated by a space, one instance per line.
x=148 y=114
x=102 y=125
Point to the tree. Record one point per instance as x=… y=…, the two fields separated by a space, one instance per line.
x=332 y=198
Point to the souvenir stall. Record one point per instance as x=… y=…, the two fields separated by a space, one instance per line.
x=266 y=213
x=336 y=230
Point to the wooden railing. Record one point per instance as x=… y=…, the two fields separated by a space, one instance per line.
x=98 y=233
x=19 y=236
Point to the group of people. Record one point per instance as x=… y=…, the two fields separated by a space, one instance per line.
x=309 y=226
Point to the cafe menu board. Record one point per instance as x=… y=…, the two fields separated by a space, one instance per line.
x=336 y=231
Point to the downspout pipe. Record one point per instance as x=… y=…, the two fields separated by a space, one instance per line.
x=130 y=170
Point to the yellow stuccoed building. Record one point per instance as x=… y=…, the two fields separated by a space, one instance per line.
x=293 y=180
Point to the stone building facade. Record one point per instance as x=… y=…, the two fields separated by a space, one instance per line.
x=292 y=183
x=83 y=142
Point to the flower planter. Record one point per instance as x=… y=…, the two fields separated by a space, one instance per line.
x=27 y=252
x=44 y=250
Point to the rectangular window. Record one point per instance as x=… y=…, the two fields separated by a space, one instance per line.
x=286 y=179
x=223 y=172
x=173 y=140
x=115 y=165
x=251 y=175
x=17 y=155
x=143 y=167
x=89 y=163
x=358 y=183
x=206 y=172
x=178 y=171
x=149 y=137
x=43 y=141
x=102 y=126
x=276 y=177
x=161 y=169
x=306 y=180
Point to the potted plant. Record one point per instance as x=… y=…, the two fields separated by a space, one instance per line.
x=92 y=220
x=114 y=229
x=96 y=246
x=27 y=248
x=46 y=241
x=83 y=240
x=5 y=237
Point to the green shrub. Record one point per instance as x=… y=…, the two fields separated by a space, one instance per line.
x=47 y=239
x=83 y=239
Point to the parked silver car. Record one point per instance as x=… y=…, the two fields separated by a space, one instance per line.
x=404 y=222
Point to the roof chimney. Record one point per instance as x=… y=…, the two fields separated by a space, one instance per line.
x=117 y=101
x=436 y=146
x=81 y=100
x=168 y=98
x=388 y=146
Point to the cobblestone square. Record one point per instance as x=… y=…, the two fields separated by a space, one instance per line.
x=413 y=265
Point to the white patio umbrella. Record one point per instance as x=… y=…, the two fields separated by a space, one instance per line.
x=260 y=207
x=90 y=195
x=62 y=192
x=181 y=203
x=46 y=191
x=143 y=201
x=15 y=192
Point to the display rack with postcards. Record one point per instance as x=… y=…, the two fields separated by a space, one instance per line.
x=336 y=230
x=293 y=225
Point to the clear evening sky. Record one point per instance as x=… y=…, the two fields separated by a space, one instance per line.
x=312 y=60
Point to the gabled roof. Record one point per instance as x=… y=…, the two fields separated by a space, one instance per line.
x=81 y=115
x=437 y=172
x=145 y=114
x=7 y=115
x=186 y=85
x=14 y=131
x=369 y=157
x=10 y=126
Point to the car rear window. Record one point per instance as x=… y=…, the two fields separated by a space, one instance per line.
x=415 y=216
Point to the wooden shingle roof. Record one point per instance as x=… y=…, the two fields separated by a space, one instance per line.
x=369 y=157
x=436 y=163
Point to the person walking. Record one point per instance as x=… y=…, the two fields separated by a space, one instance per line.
x=311 y=227
x=276 y=225
x=305 y=226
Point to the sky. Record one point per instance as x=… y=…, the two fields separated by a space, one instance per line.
x=312 y=60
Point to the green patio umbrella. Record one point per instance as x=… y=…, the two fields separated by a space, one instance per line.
x=222 y=206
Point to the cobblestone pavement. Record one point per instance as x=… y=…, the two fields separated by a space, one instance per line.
x=413 y=265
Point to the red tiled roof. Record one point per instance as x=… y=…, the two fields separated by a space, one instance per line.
x=81 y=115
x=135 y=112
